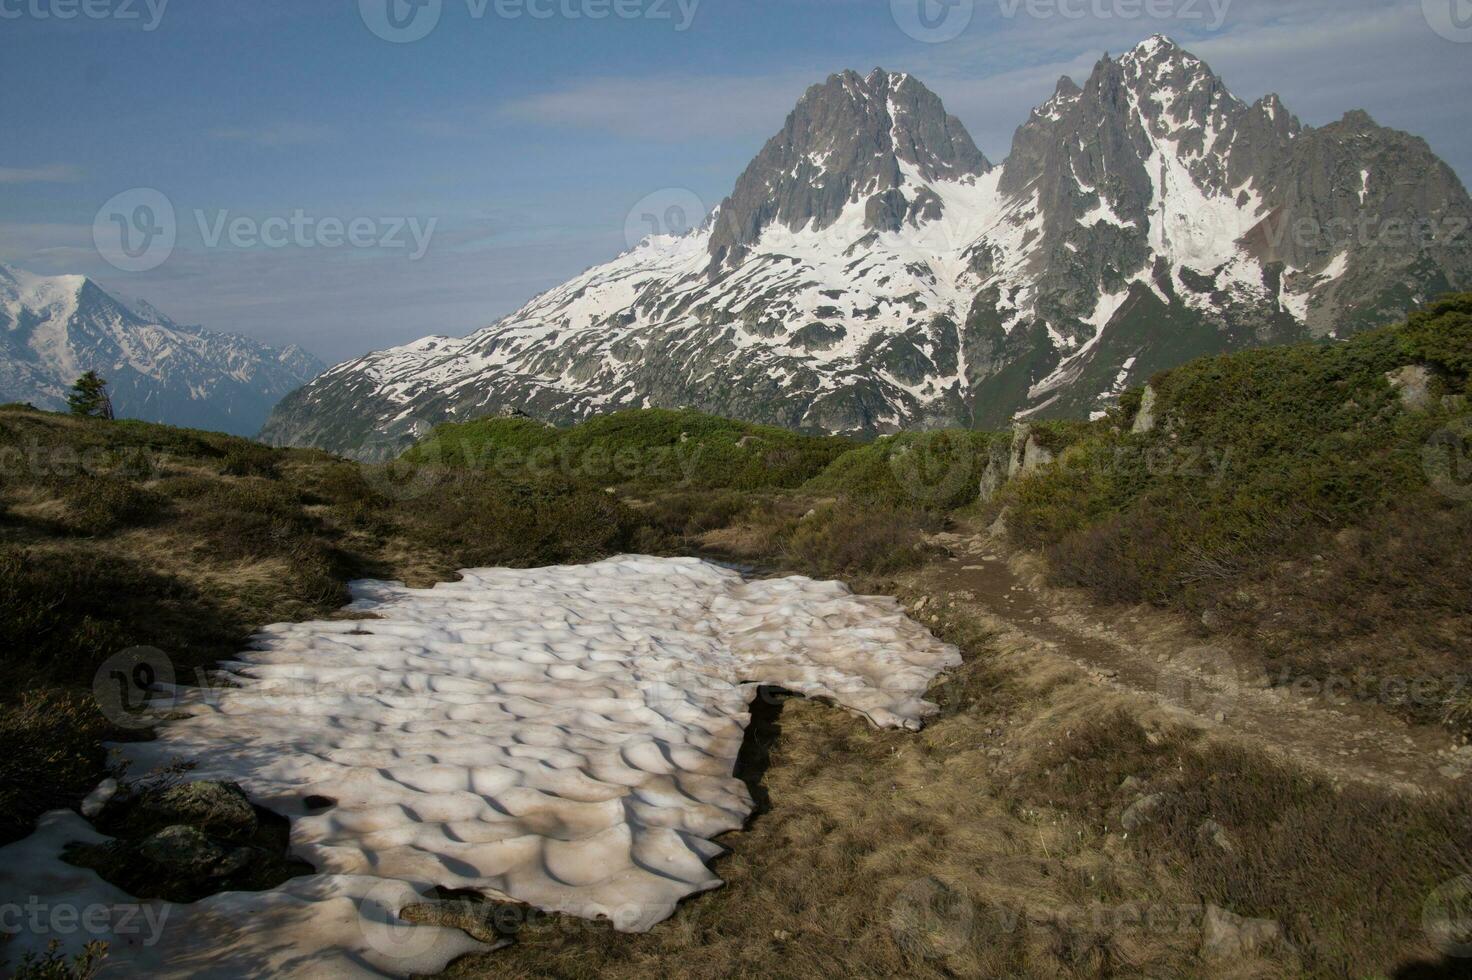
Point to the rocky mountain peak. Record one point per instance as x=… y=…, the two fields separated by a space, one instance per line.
x=1358 y=121
x=887 y=280
x=850 y=140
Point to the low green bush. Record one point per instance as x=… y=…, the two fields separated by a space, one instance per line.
x=938 y=470
x=836 y=541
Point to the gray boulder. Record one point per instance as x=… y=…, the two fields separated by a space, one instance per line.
x=1413 y=385
x=182 y=852
x=218 y=809
x=1028 y=454
x=1142 y=811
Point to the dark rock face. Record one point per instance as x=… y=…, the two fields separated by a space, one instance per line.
x=872 y=271
x=219 y=809
x=186 y=841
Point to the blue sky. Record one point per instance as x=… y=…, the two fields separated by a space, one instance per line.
x=527 y=140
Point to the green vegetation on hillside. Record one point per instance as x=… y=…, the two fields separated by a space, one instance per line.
x=1287 y=497
x=651 y=448
x=1286 y=494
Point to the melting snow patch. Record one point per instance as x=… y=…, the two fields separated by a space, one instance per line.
x=564 y=737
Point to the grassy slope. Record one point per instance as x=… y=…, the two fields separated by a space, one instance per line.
x=1287 y=497
x=188 y=541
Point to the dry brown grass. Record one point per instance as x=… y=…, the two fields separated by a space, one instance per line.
x=990 y=845
x=881 y=853
x=985 y=846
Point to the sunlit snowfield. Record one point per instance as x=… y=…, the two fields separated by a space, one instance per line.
x=564 y=737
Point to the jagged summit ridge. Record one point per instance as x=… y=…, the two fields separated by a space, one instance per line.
x=872 y=270
x=850 y=140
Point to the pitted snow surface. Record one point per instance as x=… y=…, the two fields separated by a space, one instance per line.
x=564 y=737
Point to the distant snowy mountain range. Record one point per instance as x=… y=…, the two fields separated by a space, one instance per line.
x=873 y=271
x=52 y=329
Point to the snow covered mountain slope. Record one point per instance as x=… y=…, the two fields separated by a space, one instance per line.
x=873 y=271
x=52 y=329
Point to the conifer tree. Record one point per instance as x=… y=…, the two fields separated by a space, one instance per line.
x=89 y=397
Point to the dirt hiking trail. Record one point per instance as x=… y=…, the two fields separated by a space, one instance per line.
x=1210 y=683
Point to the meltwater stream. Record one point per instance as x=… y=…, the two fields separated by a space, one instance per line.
x=564 y=737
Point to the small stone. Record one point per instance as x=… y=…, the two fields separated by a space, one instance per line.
x=98 y=799
x=1142 y=811
x=1145 y=417
x=1212 y=833
x=478 y=920
x=1221 y=717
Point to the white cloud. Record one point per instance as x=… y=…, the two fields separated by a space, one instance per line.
x=51 y=173
x=668 y=108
